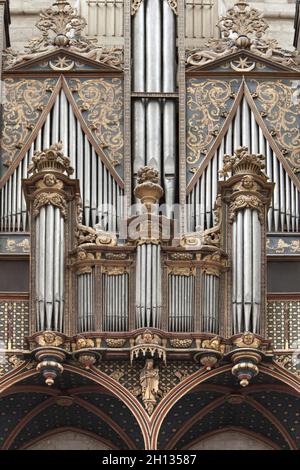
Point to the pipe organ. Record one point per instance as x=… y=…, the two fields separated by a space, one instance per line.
x=101 y=273
x=49 y=194
x=136 y=311
x=181 y=307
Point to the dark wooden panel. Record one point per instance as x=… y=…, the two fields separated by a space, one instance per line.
x=14 y=276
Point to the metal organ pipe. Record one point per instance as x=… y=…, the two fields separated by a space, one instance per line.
x=154 y=71
x=153 y=46
x=49 y=268
x=85 y=302
x=246 y=272
x=181 y=302
x=210 y=303
x=115 y=301
x=148 y=282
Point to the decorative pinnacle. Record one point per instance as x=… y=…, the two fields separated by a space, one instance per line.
x=148 y=189
x=51 y=159
x=243 y=162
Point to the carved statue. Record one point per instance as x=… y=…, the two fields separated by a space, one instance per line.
x=214 y=343
x=149 y=380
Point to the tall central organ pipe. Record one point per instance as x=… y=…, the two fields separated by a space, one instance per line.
x=154 y=71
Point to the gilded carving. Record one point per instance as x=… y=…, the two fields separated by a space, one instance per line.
x=16 y=361
x=246 y=201
x=84 y=343
x=183 y=343
x=182 y=271
x=213 y=264
x=252 y=189
x=22 y=108
x=54 y=199
x=13 y=245
x=51 y=159
x=214 y=343
x=148 y=344
x=62 y=27
x=212 y=236
x=242 y=28
x=247 y=340
x=115 y=342
x=192 y=240
x=277 y=100
x=208 y=103
x=49 y=339
x=288 y=246
x=114 y=270
x=101 y=103
x=149 y=380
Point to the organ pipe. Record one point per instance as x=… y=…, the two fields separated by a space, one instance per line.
x=49 y=192
x=85 y=301
x=154 y=71
x=248 y=195
x=115 y=304
x=210 y=301
x=181 y=288
x=148 y=281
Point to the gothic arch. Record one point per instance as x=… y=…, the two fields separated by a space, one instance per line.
x=287 y=384
x=13 y=383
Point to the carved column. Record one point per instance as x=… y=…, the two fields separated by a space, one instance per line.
x=49 y=192
x=247 y=196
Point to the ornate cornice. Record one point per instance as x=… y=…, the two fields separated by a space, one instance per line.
x=242 y=28
x=61 y=26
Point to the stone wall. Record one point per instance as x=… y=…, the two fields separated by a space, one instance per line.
x=68 y=440
x=230 y=440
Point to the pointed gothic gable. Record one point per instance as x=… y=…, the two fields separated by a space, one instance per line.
x=242 y=33
x=245 y=127
x=63 y=60
x=63 y=122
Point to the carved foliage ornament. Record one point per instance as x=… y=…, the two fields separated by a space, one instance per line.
x=55 y=199
x=22 y=107
x=208 y=104
x=242 y=28
x=101 y=104
x=62 y=27
x=278 y=104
